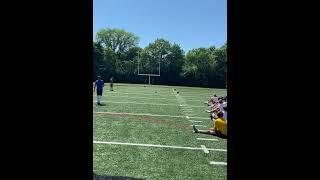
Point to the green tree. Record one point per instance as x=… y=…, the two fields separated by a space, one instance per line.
x=98 y=60
x=170 y=57
x=118 y=40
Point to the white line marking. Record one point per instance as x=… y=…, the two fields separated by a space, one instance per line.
x=218 y=163
x=205 y=150
x=199 y=125
x=138 y=103
x=194 y=121
x=205 y=139
x=135 y=114
x=160 y=146
x=141 y=94
x=130 y=97
x=187 y=117
x=199 y=118
x=122 y=102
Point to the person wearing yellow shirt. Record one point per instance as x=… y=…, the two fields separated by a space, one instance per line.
x=219 y=127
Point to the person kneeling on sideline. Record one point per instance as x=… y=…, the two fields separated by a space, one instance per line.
x=219 y=127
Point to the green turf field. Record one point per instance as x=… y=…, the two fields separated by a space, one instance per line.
x=145 y=132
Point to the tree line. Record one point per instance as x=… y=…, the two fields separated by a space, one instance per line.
x=116 y=53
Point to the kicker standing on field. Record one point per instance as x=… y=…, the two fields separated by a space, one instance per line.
x=99 y=85
x=111 y=84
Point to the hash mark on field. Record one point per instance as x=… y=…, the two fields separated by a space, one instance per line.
x=205 y=139
x=218 y=163
x=159 y=146
x=205 y=150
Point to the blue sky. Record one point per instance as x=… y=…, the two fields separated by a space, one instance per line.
x=189 y=23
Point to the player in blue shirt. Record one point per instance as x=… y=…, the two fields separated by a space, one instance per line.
x=99 y=85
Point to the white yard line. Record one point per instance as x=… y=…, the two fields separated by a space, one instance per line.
x=141 y=94
x=160 y=146
x=218 y=163
x=121 y=102
x=205 y=139
x=137 y=114
x=130 y=97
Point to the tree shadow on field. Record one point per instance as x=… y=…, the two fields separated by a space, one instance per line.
x=105 y=177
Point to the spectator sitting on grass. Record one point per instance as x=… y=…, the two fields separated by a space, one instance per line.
x=219 y=127
x=212 y=100
x=218 y=107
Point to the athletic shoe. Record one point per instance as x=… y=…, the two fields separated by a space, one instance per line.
x=211 y=117
x=195 y=130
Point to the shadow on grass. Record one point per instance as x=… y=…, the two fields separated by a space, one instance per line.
x=105 y=177
x=101 y=104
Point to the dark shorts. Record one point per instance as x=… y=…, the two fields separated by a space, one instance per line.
x=99 y=92
x=111 y=85
x=220 y=135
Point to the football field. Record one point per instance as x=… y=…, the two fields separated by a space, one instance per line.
x=145 y=132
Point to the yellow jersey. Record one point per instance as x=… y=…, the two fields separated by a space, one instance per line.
x=220 y=124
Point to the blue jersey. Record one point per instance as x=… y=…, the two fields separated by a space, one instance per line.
x=99 y=84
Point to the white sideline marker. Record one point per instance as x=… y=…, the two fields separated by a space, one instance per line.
x=160 y=146
x=205 y=139
x=218 y=163
x=205 y=150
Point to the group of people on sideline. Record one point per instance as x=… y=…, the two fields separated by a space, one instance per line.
x=218 y=114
